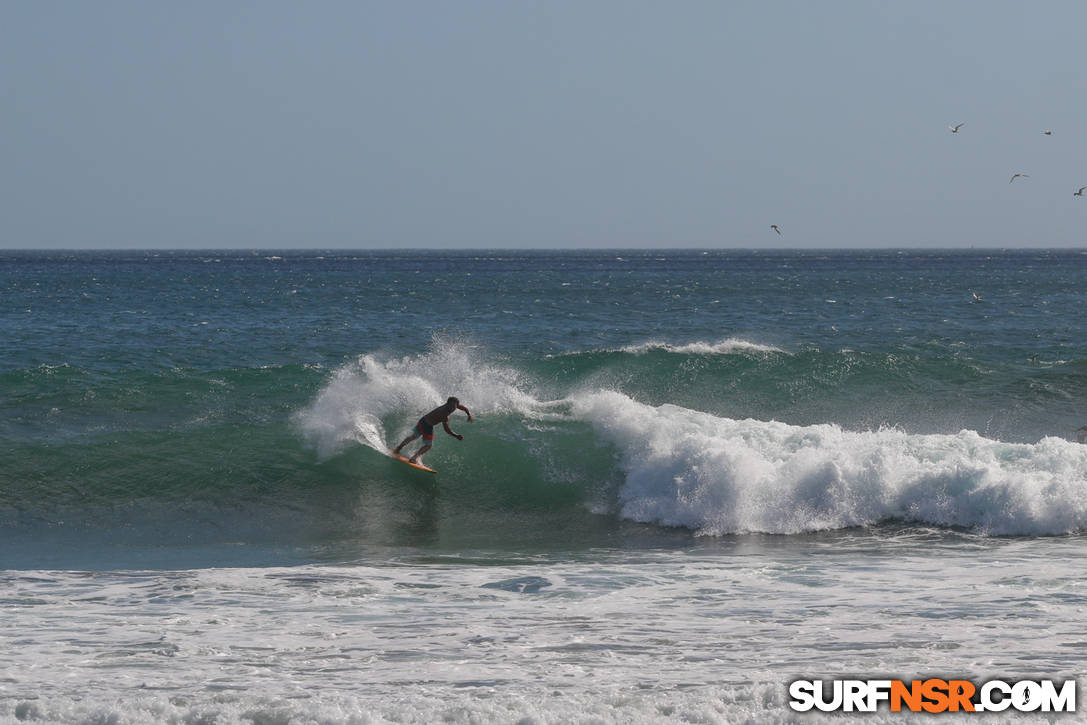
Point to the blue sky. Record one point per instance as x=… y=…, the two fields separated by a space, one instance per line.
x=510 y=124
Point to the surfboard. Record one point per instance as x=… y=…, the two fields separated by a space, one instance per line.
x=403 y=459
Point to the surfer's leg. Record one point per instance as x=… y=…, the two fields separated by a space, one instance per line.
x=404 y=442
x=422 y=428
x=421 y=451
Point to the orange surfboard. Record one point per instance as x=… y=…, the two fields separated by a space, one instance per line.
x=419 y=466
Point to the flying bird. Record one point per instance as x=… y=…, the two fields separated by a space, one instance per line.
x=1047 y=132
x=956 y=127
x=1080 y=192
x=1016 y=176
x=775 y=226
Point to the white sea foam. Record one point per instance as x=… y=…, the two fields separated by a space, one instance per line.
x=728 y=346
x=762 y=702
x=719 y=476
x=620 y=637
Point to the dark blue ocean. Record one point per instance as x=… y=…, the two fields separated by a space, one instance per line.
x=692 y=477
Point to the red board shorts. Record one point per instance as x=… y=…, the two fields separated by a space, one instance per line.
x=425 y=429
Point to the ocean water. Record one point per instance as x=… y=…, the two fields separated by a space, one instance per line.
x=693 y=477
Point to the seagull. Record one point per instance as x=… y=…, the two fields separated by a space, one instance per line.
x=975 y=294
x=775 y=226
x=1080 y=192
x=1016 y=176
x=956 y=127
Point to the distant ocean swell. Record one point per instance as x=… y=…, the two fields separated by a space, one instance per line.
x=673 y=435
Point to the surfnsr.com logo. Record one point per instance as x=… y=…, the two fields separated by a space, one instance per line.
x=933 y=695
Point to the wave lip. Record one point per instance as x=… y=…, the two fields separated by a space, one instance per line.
x=720 y=476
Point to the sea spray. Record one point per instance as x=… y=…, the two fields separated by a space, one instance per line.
x=376 y=398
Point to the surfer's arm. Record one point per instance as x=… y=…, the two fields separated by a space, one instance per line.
x=465 y=409
x=458 y=436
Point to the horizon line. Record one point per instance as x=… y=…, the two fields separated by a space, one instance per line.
x=543 y=249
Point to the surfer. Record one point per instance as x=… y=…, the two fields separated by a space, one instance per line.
x=425 y=427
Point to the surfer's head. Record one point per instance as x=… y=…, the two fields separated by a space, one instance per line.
x=452 y=403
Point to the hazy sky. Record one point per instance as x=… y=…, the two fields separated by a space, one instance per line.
x=587 y=123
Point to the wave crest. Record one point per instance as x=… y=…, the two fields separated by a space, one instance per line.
x=729 y=346
x=721 y=476
x=716 y=475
